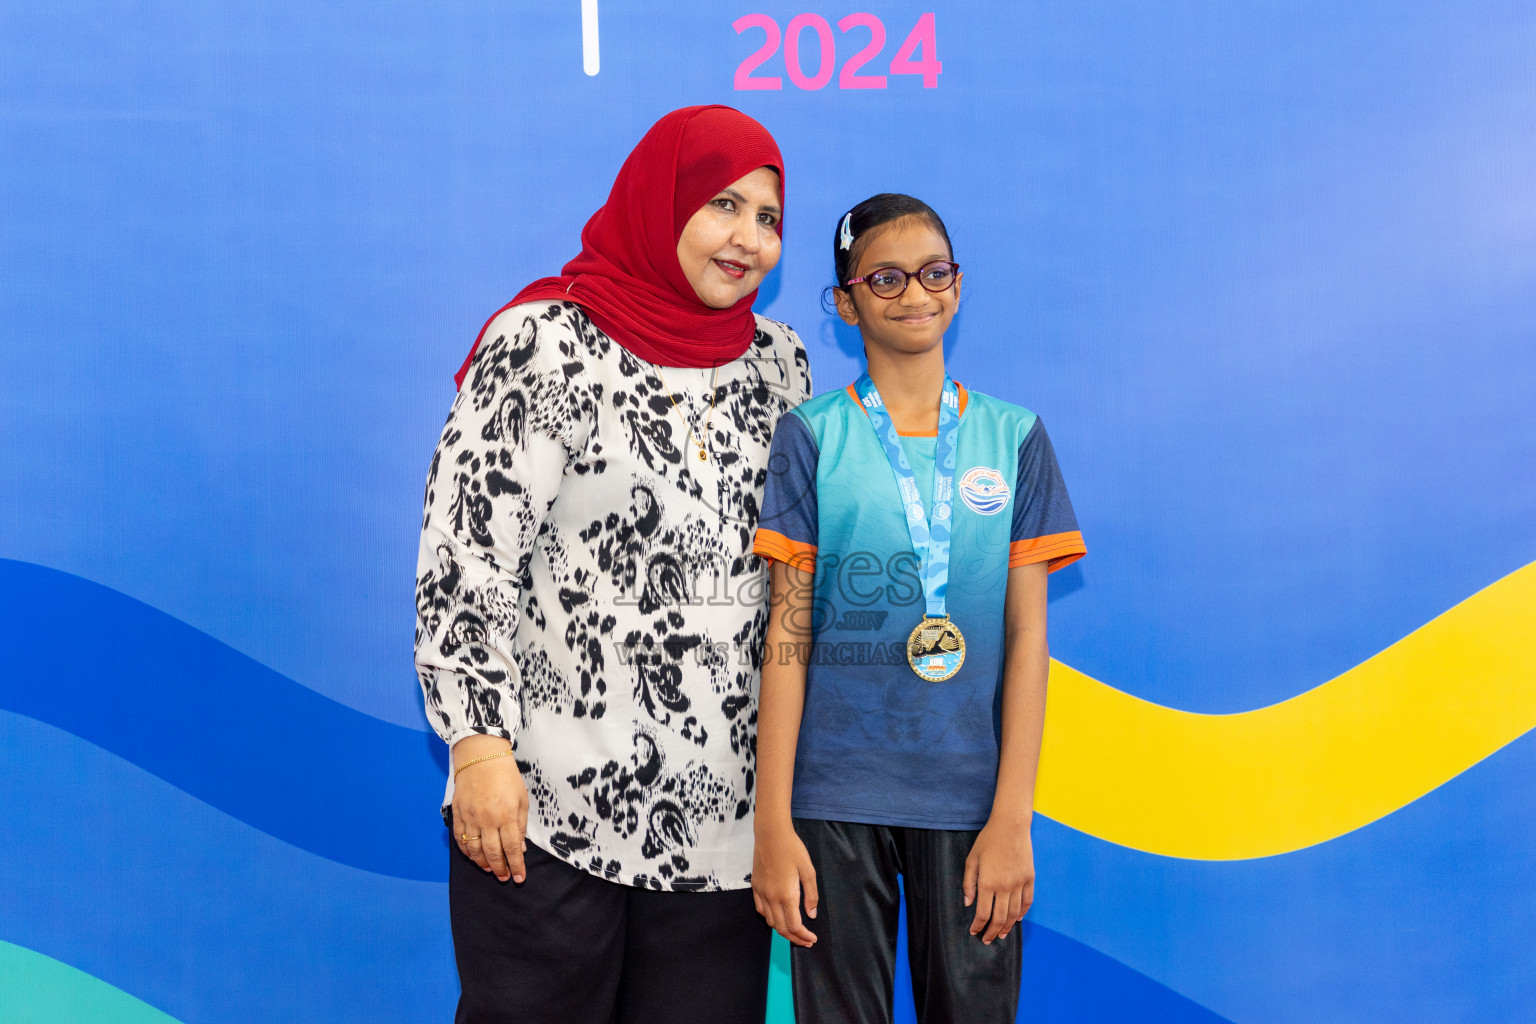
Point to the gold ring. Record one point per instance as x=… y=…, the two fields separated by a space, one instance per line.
x=465 y=837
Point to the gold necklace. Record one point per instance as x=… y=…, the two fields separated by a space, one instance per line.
x=700 y=442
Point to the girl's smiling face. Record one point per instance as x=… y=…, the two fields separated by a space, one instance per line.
x=914 y=321
x=731 y=242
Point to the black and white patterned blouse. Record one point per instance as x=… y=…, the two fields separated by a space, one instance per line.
x=586 y=587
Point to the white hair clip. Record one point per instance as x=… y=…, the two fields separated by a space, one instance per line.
x=845 y=235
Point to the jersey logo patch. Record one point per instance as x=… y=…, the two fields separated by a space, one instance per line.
x=984 y=490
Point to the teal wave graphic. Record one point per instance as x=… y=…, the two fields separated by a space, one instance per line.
x=37 y=989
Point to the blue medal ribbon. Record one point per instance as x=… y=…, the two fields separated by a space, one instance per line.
x=930 y=533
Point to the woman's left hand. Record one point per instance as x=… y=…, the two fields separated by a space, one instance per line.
x=1000 y=877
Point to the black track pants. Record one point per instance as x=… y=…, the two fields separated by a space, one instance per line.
x=847 y=976
x=567 y=947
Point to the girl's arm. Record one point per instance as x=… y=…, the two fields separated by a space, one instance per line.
x=1000 y=871
x=781 y=867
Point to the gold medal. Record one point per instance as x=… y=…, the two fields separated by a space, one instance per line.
x=936 y=649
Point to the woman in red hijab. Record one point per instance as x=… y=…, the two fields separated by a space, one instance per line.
x=590 y=615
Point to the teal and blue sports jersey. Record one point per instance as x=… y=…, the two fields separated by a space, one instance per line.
x=877 y=743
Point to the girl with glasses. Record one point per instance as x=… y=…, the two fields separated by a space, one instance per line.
x=911 y=523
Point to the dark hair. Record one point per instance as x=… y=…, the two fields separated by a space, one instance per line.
x=872 y=213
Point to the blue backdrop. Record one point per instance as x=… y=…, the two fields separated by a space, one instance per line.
x=1266 y=269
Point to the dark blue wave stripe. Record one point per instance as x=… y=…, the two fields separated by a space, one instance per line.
x=1067 y=982
x=221 y=726
x=119 y=874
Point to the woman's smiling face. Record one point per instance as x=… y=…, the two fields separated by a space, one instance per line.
x=731 y=242
x=915 y=320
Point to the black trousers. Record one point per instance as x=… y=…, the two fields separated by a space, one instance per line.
x=567 y=947
x=847 y=976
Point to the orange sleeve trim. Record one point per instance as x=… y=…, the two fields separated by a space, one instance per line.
x=774 y=545
x=1058 y=549
x=854 y=394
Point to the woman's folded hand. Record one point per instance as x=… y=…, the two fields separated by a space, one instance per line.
x=490 y=806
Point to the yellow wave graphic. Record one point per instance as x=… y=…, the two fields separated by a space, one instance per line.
x=1306 y=770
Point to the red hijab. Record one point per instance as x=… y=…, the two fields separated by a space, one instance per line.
x=627 y=277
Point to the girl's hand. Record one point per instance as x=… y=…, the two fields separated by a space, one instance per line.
x=490 y=807
x=1000 y=878
x=781 y=869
